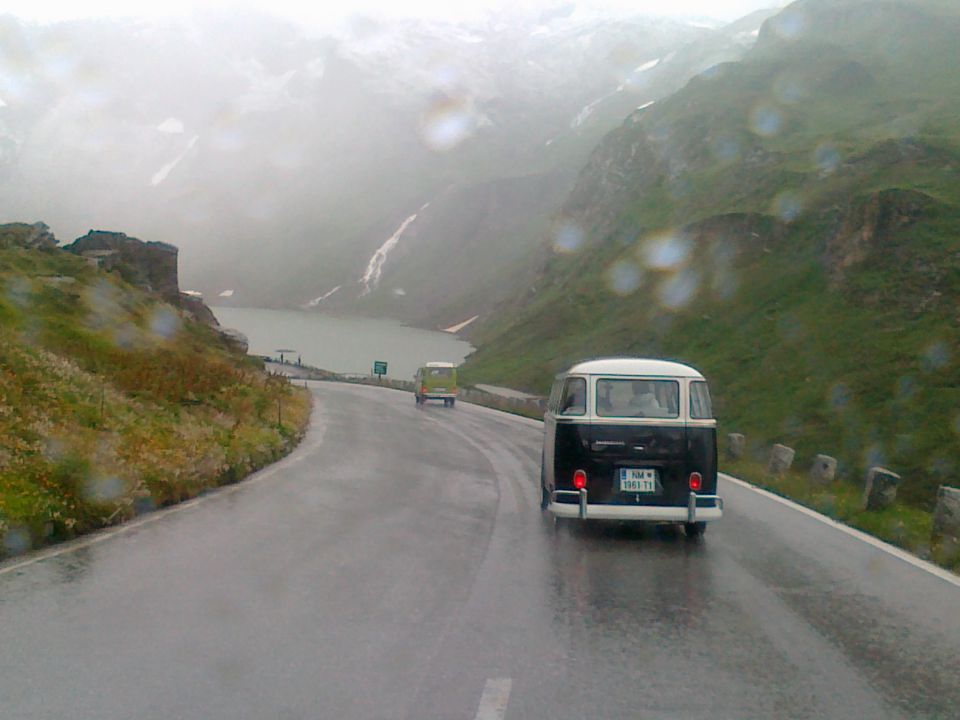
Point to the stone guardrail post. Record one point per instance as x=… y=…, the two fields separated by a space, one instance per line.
x=880 y=489
x=946 y=517
x=781 y=458
x=824 y=470
x=736 y=445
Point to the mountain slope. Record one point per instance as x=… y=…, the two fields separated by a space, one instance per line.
x=787 y=224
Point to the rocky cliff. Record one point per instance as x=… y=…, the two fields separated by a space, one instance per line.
x=149 y=265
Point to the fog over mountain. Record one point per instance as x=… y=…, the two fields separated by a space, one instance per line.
x=395 y=166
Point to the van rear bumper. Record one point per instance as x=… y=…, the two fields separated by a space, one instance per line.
x=649 y=513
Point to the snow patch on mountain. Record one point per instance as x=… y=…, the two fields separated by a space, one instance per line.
x=648 y=65
x=371 y=277
x=171 y=126
x=317 y=300
x=160 y=175
x=459 y=326
x=586 y=112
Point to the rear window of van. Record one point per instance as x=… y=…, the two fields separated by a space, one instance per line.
x=638 y=398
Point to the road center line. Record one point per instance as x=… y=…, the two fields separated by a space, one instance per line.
x=493 y=702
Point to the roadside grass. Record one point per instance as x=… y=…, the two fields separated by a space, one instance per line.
x=113 y=404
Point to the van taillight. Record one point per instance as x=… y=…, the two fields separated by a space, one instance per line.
x=579 y=479
x=696 y=481
x=423 y=390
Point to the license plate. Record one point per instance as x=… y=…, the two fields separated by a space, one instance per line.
x=439 y=389
x=638 y=480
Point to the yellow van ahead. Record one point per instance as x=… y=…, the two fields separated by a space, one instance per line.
x=436 y=381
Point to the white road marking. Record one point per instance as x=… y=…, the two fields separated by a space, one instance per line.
x=317 y=430
x=940 y=572
x=493 y=702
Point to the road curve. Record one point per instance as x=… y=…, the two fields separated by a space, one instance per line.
x=396 y=566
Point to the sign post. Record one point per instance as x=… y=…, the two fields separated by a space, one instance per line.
x=379 y=369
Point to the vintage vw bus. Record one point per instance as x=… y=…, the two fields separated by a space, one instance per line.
x=436 y=381
x=631 y=439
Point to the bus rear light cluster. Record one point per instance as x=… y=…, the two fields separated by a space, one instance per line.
x=580 y=479
x=696 y=481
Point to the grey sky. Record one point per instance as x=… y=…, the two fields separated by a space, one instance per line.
x=324 y=13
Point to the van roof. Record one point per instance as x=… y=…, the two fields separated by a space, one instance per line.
x=440 y=364
x=634 y=366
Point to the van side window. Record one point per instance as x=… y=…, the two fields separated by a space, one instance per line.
x=700 y=406
x=574 y=398
x=554 y=404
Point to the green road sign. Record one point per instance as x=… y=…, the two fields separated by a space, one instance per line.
x=379 y=367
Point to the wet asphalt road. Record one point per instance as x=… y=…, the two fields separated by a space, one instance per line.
x=397 y=566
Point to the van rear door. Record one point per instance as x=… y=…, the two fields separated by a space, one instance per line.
x=638 y=443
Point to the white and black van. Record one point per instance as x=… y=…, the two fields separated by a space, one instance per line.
x=631 y=439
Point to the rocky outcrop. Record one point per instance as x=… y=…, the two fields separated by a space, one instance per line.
x=32 y=237
x=149 y=265
x=198 y=309
x=235 y=340
x=869 y=224
x=625 y=165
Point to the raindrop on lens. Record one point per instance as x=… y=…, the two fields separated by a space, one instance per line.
x=665 y=252
x=827 y=157
x=447 y=123
x=624 y=277
x=568 y=239
x=941 y=467
x=677 y=291
x=18 y=291
x=936 y=356
x=839 y=396
x=788 y=206
x=789 y=24
x=16 y=540
x=104 y=489
x=766 y=120
x=726 y=148
x=789 y=90
x=874 y=456
x=164 y=323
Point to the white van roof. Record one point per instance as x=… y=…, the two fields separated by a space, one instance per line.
x=440 y=364
x=634 y=366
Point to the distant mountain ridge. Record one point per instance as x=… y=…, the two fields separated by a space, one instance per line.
x=279 y=161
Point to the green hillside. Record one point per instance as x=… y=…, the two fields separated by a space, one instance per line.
x=113 y=403
x=790 y=224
